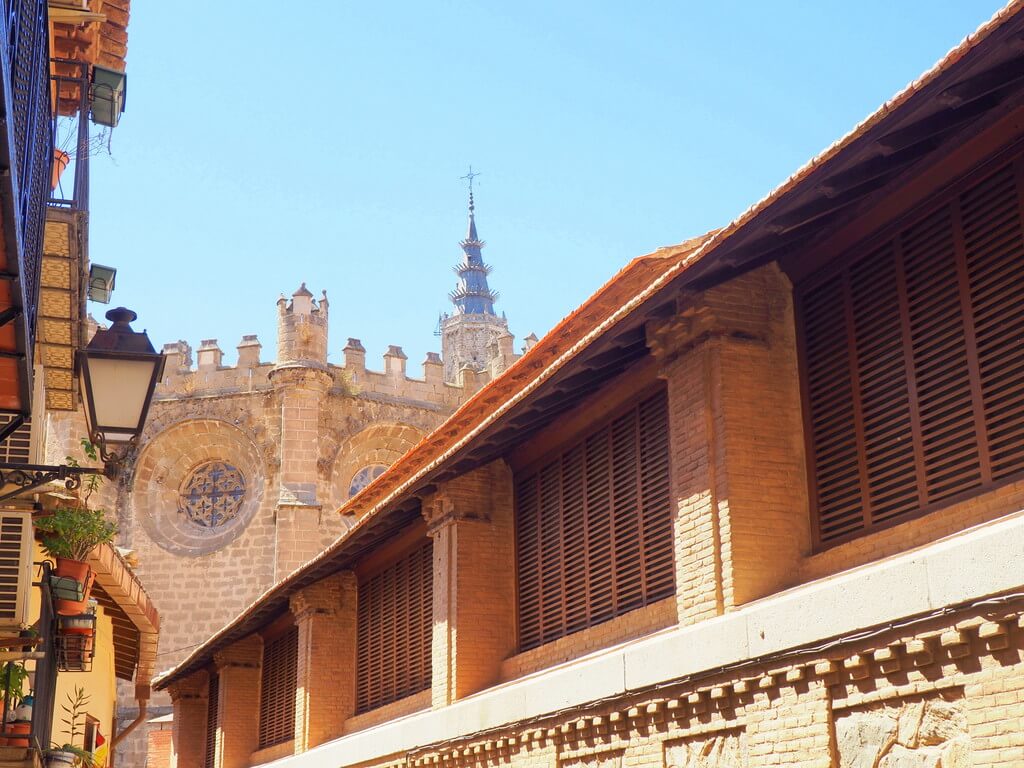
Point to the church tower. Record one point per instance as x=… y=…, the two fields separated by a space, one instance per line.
x=473 y=334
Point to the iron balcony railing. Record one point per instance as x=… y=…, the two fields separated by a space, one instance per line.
x=26 y=156
x=72 y=136
x=42 y=652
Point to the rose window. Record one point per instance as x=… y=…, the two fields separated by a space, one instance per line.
x=212 y=494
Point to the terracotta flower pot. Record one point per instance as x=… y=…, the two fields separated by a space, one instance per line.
x=25 y=728
x=80 y=572
x=60 y=164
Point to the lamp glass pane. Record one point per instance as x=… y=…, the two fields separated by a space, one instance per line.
x=119 y=389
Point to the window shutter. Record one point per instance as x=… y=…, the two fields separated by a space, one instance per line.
x=394 y=631
x=594 y=527
x=15 y=567
x=212 y=701
x=913 y=363
x=277 y=689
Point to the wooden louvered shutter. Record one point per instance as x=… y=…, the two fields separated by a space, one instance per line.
x=277 y=689
x=15 y=568
x=594 y=527
x=211 y=721
x=913 y=354
x=394 y=631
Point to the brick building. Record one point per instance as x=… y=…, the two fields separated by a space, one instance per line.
x=241 y=467
x=756 y=502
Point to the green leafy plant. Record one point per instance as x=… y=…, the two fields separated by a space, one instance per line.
x=73 y=530
x=13 y=680
x=74 y=711
x=92 y=483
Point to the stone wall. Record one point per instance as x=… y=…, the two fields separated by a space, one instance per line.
x=285 y=439
x=942 y=692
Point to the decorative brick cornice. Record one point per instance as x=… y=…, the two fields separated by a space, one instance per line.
x=442 y=510
x=324 y=598
x=700 y=319
x=246 y=653
x=193 y=687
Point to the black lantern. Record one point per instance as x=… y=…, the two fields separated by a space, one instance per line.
x=118 y=371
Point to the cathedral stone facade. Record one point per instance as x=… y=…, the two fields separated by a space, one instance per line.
x=241 y=467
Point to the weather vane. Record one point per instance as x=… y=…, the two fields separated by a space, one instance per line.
x=469 y=177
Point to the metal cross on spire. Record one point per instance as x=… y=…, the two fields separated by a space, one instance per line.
x=469 y=177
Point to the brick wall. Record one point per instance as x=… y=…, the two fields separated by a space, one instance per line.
x=325 y=614
x=158 y=748
x=471 y=523
x=948 y=692
x=729 y=360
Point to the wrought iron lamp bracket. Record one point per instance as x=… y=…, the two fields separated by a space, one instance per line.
x=27 y=477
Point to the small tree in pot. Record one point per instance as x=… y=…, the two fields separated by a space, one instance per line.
x=70 y=754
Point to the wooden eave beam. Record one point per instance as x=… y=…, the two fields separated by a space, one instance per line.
x=826 y=206
x=875 y=167
x=984 y=83
x=941 y=122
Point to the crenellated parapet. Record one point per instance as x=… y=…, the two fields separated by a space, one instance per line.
x=303 y=344
x=392 y=380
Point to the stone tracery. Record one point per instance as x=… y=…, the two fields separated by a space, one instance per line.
x=212 y=494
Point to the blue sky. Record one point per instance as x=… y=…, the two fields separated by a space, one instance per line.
x=265 y=144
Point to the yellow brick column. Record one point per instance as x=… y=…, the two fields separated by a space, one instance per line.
x=238 y=706
x=188 y=742
x=471 y=522
x=325 y=614
x=697 y=529
x=729 y=359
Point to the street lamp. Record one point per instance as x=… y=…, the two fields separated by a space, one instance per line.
x=118 y=371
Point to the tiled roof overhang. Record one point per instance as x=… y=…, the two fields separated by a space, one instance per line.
x=134 y=617
x=98 y=35
x=974 y=85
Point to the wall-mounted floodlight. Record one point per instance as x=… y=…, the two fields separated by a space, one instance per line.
x=101 y=283
x=108 y=94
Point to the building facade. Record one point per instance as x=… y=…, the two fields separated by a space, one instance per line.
x=241 y=467
x=757 y=502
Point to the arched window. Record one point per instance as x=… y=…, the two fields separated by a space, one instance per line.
x=364 y=477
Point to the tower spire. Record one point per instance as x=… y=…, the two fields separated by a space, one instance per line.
x=472 y=296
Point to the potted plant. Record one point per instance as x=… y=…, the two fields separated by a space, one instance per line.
x=69 y=754
x=70 y=533
x=17 y=719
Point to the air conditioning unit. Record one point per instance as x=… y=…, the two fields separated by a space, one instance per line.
x=17 y=448
x=15 y=568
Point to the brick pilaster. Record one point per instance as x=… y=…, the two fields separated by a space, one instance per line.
x=729 y=358
x=471 y=522
x=238 y=706
x=325 y=614
x=189 y=697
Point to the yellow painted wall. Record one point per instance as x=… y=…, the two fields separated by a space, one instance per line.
x=99 y=683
